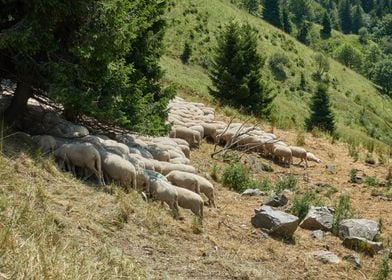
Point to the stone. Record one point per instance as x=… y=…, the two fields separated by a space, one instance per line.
x=354 y=260
x=317 y=234
x=360 y=244
x=331 y=168
x=275 y=222
x=326 y=257
x=276 y=200
x=252 y=192
x=363 y=228
x=358 y=179
x=318 y=218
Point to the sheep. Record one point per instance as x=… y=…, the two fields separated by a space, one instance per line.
x=166 y=167
x=283 y=154
x=199 y=129
x=300 y=153
x=312 y=157
x=180 y=141
x=190 y=135
x=209 y=130
x=190 y=200
x=158 y=153
x=115 y=147
x=180 y=160
x=47 y=143
x=119 y=169
x=83 y=155
x=185 y=149
x=207 y=188
x=184 y=180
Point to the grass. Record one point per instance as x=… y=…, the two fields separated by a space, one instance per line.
x=383 y=270
x=288 y=182
x=207 y=18
x=301 y=204
x=343 y=211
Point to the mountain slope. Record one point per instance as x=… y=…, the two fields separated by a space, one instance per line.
x=362 y=114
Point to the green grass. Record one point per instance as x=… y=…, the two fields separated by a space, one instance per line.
x=352 y=95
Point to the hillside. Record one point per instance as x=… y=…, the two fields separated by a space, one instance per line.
x=362 y=114
x=56 y=227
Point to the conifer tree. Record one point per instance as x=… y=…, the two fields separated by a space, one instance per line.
x=271 y=12
x=321 y=116
x=325 y=32
x=186 y=53
x=301 y=10
x=367 y=5
x=303 y=32
x=236 y=71
x=357 y=18
x=286 y=22
x=345 y=16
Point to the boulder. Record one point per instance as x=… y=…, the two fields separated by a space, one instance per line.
x=363 y=228
x=360 y=244
x=252 y=192
x=326 y=257
x=317 y=234
x=276 y=200
x=275 y=222
x=354 y=260
x=331 y=168
x=318 y=218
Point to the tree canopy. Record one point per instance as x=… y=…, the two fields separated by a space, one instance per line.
x=98 y=58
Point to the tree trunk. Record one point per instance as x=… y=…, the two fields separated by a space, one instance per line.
x=15 y=112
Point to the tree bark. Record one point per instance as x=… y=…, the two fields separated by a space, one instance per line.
x=15 y=112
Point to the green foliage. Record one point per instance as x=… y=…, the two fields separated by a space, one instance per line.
x=357 y=18
x=186 y=53
x=321 y=115
x=345 y=16
x=91 y=56
x=369 y=159
x=349 y=56
x=271 y=12
x=301 y=9
x=363 y=35
x=286 y=22
x=322 y=66
x=236 y=71
x=370 y=181
x=215 y=172
x=288 y=182
x=382 y=75
x=325 y=32
x=265 y=185
x=301 y=204
x=251 y=6
x=342 y=211
x=236 y=177
x=277 y=63
x=353 y=175
x=383 y=270
x=303 y=32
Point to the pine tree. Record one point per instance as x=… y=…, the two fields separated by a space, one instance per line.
x=251 y=5
x=286 y=22
x=236 y=71
x=345 y=16
x=321 y=116
x=357 y=18
x=271 y=12
x=301 y=10
x=303 y=33
x=325 y=32
x=367 y=5
x=186 y=53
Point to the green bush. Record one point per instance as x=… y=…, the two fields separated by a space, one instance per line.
x=369 y=159
x=265 y=185
x=353 y=175
x=236 y=177
x=342 y=211
x=288 y=182
x=371 y=181
x=301 y=204
x=277 y=63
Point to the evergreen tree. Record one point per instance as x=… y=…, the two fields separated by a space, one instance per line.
x=91 y=56
x=186 y=53
x=286 y=22
x=301 y=10
x=367 y=5
x=236 y=71
x=382 y=75
x=321 y=116
x=325 y=32
x=251 y=5
x=303 y=33
x=345 y=16
x=271 y=12
x=357 y=18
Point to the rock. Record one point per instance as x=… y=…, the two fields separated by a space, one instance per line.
x=362 y=245
x=357 y=179
x=363 y=228
x=317 y=234
x=252 y=192
x=331 y=168
x=318 y=218
x=275 y=222
x=326 y=257
x=354 y=259
x=276 y=200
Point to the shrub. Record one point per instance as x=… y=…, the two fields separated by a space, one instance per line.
x=236 y=177
x=277 y=62
x=265 y=185
x=289 y=182
x=301 y=204
x=215 y=172
x=383 y=271
x=353 y=175
x=369 y=159
x=342 y=211
x=186 y=53
x=371 y=181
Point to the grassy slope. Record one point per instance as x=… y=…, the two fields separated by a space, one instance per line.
x=198 y=22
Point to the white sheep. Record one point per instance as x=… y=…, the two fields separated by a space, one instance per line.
x=300 y=153
x=207 y=188
x=190 y=200
x=283 y=154
x=166 y=167
x=312 y=157
x=46 y=143
x=191 y=136
x=184 y=180
x=83 y=155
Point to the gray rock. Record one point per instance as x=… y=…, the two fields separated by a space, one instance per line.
x=362 y=245
x=276 y=200
x=326 y=257
x=275 y=222
x=252 y=192
x=317 y=234
x=318 y=218
x=363 y=228
x=354 y=259
x=331 y=168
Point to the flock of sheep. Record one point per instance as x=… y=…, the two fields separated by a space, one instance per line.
x=160 y=167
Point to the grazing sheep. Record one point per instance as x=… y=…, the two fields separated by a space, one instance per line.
x=166 y=167
x=191 y=136
x=180 y=160
x=207 y=188
x=199 y=129
x=185 y=149
x=190 y=200
x=158 y=153
x=119 y=169
x=312 y=157
x=300 y=153
x=83 y=155
x=115 y=147
x=283 y=154
x=47 y=143
x=209 y=130
x=184 y=180
x=180 y=141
